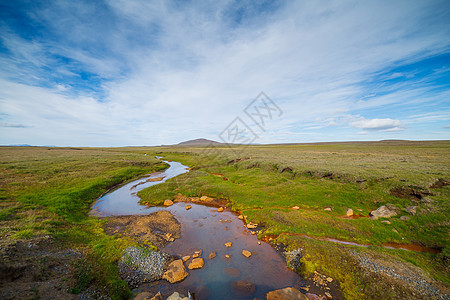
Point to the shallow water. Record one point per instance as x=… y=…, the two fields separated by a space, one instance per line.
x=124 y=201
x=206 y=229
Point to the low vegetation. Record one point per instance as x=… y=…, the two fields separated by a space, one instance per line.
x=49 y=192
x=265 y=182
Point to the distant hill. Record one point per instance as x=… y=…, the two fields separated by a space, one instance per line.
x=198 y=142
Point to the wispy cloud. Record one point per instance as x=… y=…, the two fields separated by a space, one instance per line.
x=137 y=72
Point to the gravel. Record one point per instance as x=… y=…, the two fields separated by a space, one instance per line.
x=140 y=265
x=293 y=258
x=414 y=280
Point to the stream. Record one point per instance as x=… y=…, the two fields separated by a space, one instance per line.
x=202 y=227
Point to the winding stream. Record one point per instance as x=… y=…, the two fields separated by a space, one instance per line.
x=204 y=228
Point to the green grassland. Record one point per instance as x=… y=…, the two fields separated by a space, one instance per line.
x=50 y=191
x=264 y=182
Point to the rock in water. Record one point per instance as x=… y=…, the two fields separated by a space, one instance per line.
x=176 y=272
x=185 y=258
x=241 y=217
x=197 y=263
x=286 y=294
x=385 y=211
x=246 y=253
x=220 y=209
x=349 y=212
x=242 y=287
x=188 y=207
x=212 y=255
x=168 y=202
x=145 y=296
x=228 y=245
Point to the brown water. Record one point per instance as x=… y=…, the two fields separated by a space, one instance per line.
x=206 y=229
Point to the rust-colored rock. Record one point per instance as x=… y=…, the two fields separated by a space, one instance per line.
x=197 y=263
x=220 y=209
x=212 y=255
x=168 y=202
x=246 y=253
x=176 y=272
x=228 y=245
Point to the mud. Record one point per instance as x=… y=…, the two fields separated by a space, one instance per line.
x=159 y=228
x=409 y=193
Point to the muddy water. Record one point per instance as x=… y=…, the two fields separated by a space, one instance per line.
x=204 y=228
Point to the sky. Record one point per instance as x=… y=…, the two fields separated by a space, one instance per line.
x=131 y=73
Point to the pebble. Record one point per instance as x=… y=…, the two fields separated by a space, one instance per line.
x=140 y=265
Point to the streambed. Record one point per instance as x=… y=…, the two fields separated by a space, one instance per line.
x=202 y=227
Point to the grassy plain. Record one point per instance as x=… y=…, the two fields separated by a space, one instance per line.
x=265 y=182
x=49 y=191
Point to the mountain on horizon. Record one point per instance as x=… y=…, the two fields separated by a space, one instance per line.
x=198 y=142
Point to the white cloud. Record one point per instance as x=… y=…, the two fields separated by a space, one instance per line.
x=378 y=124
x=168 y=73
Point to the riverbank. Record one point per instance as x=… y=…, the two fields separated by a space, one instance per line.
x=291 y=204
x=49 y=246
x=303 y=190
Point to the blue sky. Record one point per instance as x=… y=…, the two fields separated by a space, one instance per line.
x=128 y=72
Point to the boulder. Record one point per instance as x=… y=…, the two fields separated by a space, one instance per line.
x=385 y=211
x=411 y=210
x=349 y=212
x=246 y=253
x=286 y=294
x=168 y=202
x=176 y=272
x=196 y=263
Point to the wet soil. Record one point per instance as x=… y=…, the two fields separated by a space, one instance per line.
x=159 y=228
x=36 y=269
